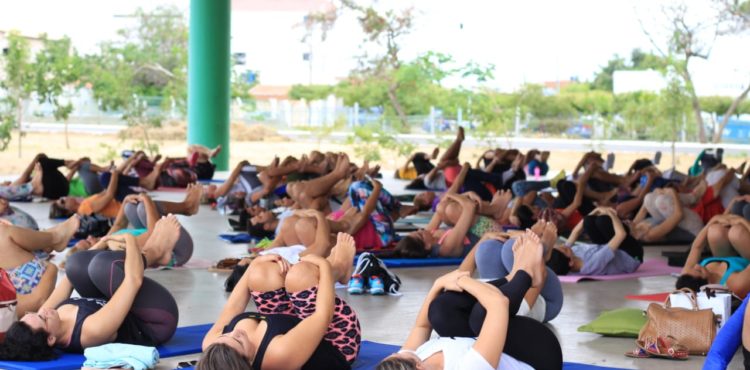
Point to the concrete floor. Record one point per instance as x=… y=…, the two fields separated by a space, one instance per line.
x=200 y=296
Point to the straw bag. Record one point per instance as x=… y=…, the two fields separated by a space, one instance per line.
x=693 y=328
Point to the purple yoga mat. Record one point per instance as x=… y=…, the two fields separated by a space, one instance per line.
x=653 y=267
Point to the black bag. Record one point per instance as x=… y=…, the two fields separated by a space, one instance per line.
x=369 y=265
x=94 y=225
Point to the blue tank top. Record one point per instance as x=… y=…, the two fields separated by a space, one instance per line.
x=129 y=331
x=326 y=356
x=734 y=264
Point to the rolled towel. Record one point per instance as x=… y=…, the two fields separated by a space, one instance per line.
x=121 y=355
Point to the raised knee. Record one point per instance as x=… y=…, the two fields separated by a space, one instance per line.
x=737 y=232
x=302 y=276
x=264 y=276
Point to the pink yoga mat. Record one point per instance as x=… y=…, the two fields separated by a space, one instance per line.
x=653 y=267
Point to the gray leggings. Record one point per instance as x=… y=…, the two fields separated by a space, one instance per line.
x=183 y=249
x=90 y=179
x=494 y=260
x=741 y=208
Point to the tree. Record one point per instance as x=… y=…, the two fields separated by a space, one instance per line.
x=688 y=39
x=18 y=87
x=56 y=67
x=736 y=17
x=147 y=60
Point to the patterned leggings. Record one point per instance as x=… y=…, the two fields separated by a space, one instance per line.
x=359 y=191
x=343 y=333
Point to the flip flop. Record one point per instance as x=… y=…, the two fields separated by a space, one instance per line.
x=665 y=348
x=638 y=353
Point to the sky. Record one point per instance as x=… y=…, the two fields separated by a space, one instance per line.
x=527 y=41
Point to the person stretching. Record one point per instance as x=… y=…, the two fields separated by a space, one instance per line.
x=117 y=304
x=300 y=323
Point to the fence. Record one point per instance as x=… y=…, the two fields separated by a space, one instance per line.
x=332 y=115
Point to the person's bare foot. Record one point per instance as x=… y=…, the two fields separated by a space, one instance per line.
x=435 y=153
x=158 y=248
x=193 y=199
x=342 y=165
x=460 y=136
x=528 y=256
x=63 y=232
x=549 y=236
x=538 y=227
x=213 y=153
x=342 y=256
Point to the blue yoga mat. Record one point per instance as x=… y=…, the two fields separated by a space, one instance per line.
x=236 y=238
x=212 y=181
x=421 y=262
x=186 y=341
x=372 y=352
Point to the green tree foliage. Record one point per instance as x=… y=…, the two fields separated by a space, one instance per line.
x=148 y=60
x=18 y=86
x=310 y=92
x=56 y=67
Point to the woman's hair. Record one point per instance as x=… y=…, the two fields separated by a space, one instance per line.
x=23 y=344
x=222 y=357
x=526 y=216
x=396 y=363
x=408 y=247
x=58 y=211
x=257 y=231
x=559 y=263
x=690 y=281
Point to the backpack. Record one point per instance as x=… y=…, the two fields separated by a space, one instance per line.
x=8 y=303
x=369 y=265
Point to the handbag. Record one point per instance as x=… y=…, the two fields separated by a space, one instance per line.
x=691 y=327
x=8 y=304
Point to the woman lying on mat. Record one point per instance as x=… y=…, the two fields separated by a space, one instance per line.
x=613 y=250
x=728 y=239
x=117 y=304
x=669 y=220
x=477 y=322
x=105 y=203
x=40 y=178
x=25 y=254
x=467 y=228
x=15 y=216
x=300 y=322
x=418 y=164
x=739 y=206
x=158 y=233
x=493 y=258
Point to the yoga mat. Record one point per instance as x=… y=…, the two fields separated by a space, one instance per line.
x=656 y=297
x=193 y=263
x=212 y=181
x=236 y=238
x=186 y=341
x=653 y=267
x=372 y=352
x=421 y=262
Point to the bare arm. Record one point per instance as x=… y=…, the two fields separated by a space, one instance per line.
x=26 y=175
x=659 y=231
x=100 y=326
x=40 y=293
x=236 y=304
x=227 y=185
x=108 y=195
x=294 y=348
x=454 y=242
x=696 y=249
x=152 y=214
x=494 y=331
x=62 y=292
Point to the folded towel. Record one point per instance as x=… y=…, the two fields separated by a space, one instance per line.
x=121 y=355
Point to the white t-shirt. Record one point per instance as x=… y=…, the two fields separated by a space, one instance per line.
x=458 y=354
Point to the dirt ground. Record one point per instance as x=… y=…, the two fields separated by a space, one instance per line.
x=102 y=148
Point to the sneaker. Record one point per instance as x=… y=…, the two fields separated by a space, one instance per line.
x=376 y=285
x=356 y=285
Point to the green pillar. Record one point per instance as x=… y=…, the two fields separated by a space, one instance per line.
x=209 y=73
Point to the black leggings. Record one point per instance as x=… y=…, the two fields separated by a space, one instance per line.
x=600 y=230
x=124 y=184
x=454 y=314
x=475 y=180
x=566 y=191
x=422 y=164
x=98 y=274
